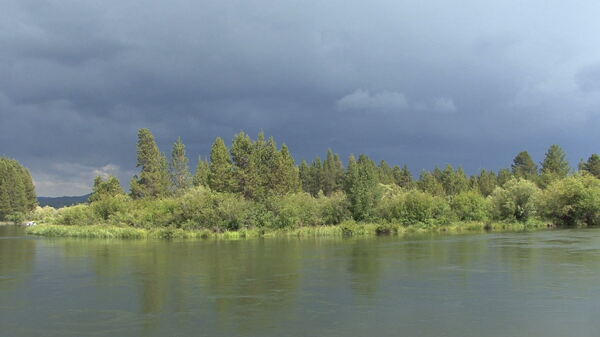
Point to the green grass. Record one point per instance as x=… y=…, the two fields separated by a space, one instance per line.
x=348 y=228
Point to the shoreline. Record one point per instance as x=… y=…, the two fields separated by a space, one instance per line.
x=348 y=229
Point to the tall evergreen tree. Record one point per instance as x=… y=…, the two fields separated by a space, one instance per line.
x=362 y=187
x=202 y=173
x=504 y=175
x=245 y=171
x=592 y=165
x=333 y=173
x=287 y=173
x=555 y=162
x=181 y=177
x=220 y=177
x=305 y=178
x=430 y=184
x=486 y=182
x=154 y=180
x=402 y=177
x=524 y=167
x=385 y=173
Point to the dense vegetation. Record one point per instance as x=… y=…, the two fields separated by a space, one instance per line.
x=255 y=185
x=17 y=193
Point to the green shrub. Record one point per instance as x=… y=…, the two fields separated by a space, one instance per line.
x=16 y=218
x=335 y=209
x=296 y=210
x=80 y=215
x=517 y=200
x=415 y=207
x=108 y=206
x=573 y=201
x=470 y=206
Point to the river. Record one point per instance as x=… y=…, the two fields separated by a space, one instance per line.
x=498 y=284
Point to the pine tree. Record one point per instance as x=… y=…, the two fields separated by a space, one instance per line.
x=181 y=177
x=245 y=175
x=430 y=184
x=154 y=180
x=486 y=182
x=288 y=173
x=504 y=175
x=524 y=167
x=202 y=173
x=305 y=176
x=592 y=165
x=385 y=173
x=333 y=173
x=362 y=187
x=220 y=177
x=555 y=163
x=402 y=177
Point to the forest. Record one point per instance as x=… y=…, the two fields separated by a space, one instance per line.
x=256 y=186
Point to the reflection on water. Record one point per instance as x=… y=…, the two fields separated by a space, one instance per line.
x=519 y=284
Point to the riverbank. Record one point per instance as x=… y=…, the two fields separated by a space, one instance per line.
x=344 y=229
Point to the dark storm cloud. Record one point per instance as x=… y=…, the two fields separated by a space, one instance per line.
x=421 y=83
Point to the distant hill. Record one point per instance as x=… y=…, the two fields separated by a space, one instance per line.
x=58 y=202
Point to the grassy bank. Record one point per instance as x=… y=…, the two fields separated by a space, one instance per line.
x=344 y=229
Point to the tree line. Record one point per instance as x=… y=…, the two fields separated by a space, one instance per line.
x=260 y=171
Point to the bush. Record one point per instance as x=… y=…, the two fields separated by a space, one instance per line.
x=81 y=215
x=202 y=208
x=107 y=207
x=296 y=210
x=470 y=206
x=335 y=209
x=573 y=201
x=517 y=200
x=415 y=207
x=16 y=218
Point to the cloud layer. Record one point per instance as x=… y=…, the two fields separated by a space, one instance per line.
x=411 y=82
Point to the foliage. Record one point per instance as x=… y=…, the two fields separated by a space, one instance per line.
x=573 y=201
x=524 y=167
x=414 y=207
x=362 y=187
x=181 y=177
x=104 y=188
x=516 y=201
x=592 y=165
x=17 y=193
x=153 y=180
x=470 y=206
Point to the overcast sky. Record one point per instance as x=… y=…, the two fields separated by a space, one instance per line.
x=418 y=82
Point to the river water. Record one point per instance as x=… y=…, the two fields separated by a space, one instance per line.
x=509 y=284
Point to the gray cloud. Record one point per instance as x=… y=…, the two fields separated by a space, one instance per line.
x=471 y=85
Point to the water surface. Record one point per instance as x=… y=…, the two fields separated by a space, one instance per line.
x=510 y=284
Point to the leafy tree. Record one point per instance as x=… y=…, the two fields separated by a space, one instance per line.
x=573 y=201
x=524 y=167
x=286 y=174
x=17 y=192
x=454 y=182
x=154 y=180
x=202 y=173
x=517 y=200
x=180 y=168
x=592 y=165
x=304 y=172
x=104 y=188
x=220 y=177
x=362 y=187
